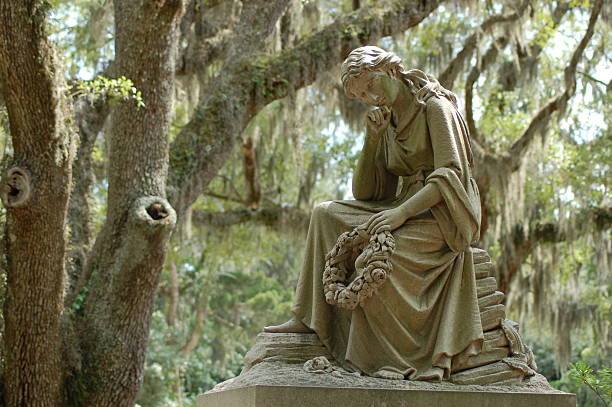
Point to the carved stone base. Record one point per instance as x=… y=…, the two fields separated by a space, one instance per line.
x=275 y=384
x=504 y=357
x=285 y=347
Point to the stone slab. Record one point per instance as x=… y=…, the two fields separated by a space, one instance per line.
x=483 y=270
x=298 y=396
x=494 y=349
x=492 y=317
x=462 y=362
x=498 y=372
x=285 y=347
x=495 y=339
x=480 y=255
x=485 y=286
x=492 y=299
x=281 y=384
x=289 y=338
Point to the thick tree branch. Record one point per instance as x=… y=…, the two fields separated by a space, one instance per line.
x=275 y=217
x=489 y=57
x=557 y=104
x=308 y=183
x=224 y=197
x=526 y=62
x=249 y=84
x=447 y=78
x=172 y=315
x=512 y=72
x=517 y=248
x=196 y=333
x=218 y=37
x=489 y=162
x=90 y=118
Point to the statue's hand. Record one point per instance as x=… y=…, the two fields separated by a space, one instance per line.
x=378 y=120
x=390 y=220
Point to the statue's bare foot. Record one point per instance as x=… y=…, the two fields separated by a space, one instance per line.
x=294 y=326
x=388 y=374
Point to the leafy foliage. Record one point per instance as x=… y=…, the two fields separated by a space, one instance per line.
x=600 y=382
x=113 y=89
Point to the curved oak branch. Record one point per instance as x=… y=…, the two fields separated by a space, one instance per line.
x=557 y=104
x=447 y=78
x=274 y=217
x=247 y=85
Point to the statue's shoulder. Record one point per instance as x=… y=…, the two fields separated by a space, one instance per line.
x=439 y=103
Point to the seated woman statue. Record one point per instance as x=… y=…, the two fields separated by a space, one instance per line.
x=426 y=311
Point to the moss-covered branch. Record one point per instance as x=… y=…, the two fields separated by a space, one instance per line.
x=522 y=241
x=274 y=217
x=448 y=76
x=249 y=84
x=557 y=104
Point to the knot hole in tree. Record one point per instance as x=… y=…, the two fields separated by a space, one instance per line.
x=154 y=211
x=16 y=188
x=157 y=211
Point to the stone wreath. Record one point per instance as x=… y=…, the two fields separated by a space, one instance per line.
x=346 y=288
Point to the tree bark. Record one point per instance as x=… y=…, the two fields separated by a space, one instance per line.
x=90 y=118
x=128 y=255
x=35 y=192
x=250 y=165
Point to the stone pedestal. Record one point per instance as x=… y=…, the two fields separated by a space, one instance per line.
x=278 y=384
x=286 y=396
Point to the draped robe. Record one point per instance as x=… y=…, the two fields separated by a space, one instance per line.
x=427 y=311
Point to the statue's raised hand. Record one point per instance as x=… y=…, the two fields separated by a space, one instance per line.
x=378 y=120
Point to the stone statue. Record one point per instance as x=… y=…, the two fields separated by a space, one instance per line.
x=391 y=287
x=427 y=312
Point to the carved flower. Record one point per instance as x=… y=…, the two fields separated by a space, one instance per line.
x=357 y=284
x=379 y=274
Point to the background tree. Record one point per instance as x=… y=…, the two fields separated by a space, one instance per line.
x=228 y=116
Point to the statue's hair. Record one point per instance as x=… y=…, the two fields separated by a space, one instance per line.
x=374 y=59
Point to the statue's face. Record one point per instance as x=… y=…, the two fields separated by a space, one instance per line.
x=375 y=88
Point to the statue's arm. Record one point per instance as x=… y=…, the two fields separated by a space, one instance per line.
x=393 y=218
x=427 y=197
x=442 y=128
x=447 y=150
x=370 y=180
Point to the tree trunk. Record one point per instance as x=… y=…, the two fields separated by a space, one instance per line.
x=129 y=253
x=35 y=192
